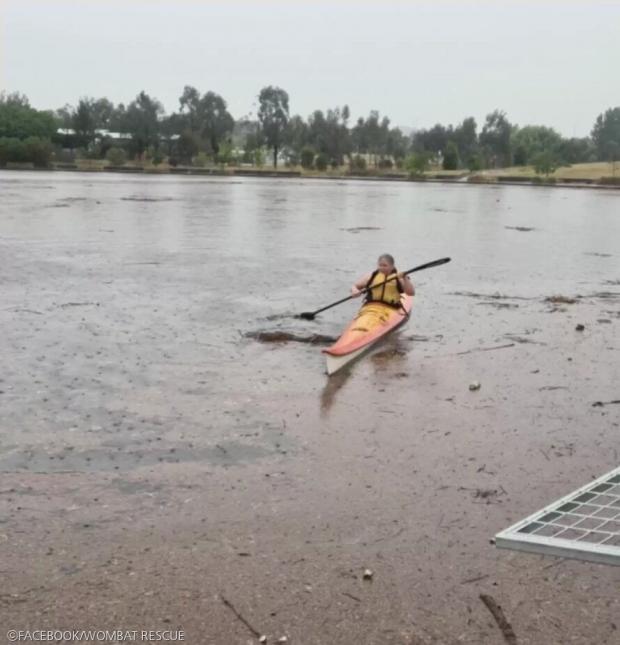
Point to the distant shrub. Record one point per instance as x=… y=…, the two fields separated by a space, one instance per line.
x=116 y=156
x=386 y=164
x=33 y=149
x=200 y=160
x=225 y=154
x=11 y=149
x=307 y=158
x=157 y=158
x=544 y=163
x=173 y=161
x=450 y=157
x=321 y=161
x=38 y=151
x=520 y=156
x=474 y=163
x=358 y=163
x=417 y=163
x=259 y=158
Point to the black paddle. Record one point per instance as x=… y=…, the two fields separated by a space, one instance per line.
x=309 y=315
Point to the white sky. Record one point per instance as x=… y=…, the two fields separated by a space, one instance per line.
x=545 y=62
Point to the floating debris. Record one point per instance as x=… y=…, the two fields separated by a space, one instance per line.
x=523 y=229
x=601 y=404
x=78 y=304
x=560 y=300
x=368 y=574
x=287 y=337
x=474 y=386
x=357 y=229
x=488 y=296
x=501 y=305
x=580 y=327
x=138 y=198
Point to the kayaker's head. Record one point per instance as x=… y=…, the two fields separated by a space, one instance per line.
x=386 y=264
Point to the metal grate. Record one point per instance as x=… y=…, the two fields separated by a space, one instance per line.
x=584 y=525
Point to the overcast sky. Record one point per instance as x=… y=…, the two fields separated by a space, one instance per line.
x=542 y=61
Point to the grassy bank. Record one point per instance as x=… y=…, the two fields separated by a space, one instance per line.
x=587 y=173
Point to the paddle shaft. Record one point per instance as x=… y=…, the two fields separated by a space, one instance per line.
x=428 y=265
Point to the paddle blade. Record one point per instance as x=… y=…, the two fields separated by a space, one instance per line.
x=307 y=315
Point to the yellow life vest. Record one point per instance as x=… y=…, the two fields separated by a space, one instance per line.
x=382 y=291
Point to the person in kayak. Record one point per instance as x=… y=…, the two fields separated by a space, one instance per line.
x=382 y=290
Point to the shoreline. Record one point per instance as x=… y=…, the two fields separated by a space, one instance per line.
x=439 y=178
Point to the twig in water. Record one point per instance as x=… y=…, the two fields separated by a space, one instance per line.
x=500 y=618
x=25 y=311
x=485 y=349
x=476 y=579
x=232 y=608
x=600 y=404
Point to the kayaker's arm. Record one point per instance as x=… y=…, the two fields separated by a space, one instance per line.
x=356 y=289
x=406 y=284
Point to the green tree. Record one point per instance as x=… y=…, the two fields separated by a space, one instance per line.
x=187 y=146
x=11 y=149
x=64 y=116
x=38 y=151
x=474 y=162
x=20 y=121
x=466 y=138
x=321 y=161
x=396 y=145
x=83 y=122
x=273 y=114
x=296 y=139
x=433 y=141
x=116 y=156
x=190 y=105
x=528 y=142
x=358 y=164
x=253 y=147
x=606 y=135
x=214 y=121
x=451 y=156
x=307 y=158
x=495 y=139
x=141 y=121
x=417 y=163
x=103 y=112
x=544 y=163
x=577 y=150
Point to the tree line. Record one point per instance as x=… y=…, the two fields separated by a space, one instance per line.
x=203 y=131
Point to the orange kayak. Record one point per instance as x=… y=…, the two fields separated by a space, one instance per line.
x=373 y=321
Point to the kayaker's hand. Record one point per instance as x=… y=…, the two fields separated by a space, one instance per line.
x=355 y=292
x=401 y=276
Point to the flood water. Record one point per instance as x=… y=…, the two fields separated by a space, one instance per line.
x=131 y=311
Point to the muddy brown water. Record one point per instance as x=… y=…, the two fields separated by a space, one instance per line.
x=155 y=457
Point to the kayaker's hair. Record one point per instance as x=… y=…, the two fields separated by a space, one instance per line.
x=388 y=258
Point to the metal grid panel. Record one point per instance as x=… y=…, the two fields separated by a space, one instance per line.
x=584 y=525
